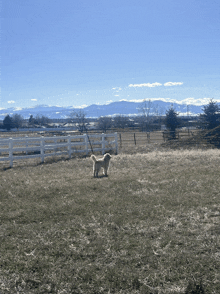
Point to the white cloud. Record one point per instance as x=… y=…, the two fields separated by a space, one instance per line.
x=117 y=88
x=109 y=101
x=187 y=101
x=152 y=99
x=33 y=99
x=168 y=84
x=145 y=85
x=198 y=102
x=11 y=101
x=81 y=106
x=116 y=95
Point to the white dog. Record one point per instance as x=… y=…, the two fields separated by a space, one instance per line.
x=101 y=163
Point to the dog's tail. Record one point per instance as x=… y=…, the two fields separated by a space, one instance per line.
x=93 y=158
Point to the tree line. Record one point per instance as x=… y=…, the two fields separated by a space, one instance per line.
x=17 y=121
x=209 y=119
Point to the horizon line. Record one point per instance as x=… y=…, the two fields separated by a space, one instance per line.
x=186 y=101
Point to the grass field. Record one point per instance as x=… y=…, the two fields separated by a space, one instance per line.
x=151 y=226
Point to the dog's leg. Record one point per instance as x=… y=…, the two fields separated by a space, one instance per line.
x=105 y=171
x=96 y=171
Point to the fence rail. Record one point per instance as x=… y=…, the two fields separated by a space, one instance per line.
x=142 y=138
x=28 y=147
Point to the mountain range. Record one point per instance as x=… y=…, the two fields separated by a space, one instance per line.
x=127 y=108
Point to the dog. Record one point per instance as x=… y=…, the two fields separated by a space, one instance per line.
x=100 y=163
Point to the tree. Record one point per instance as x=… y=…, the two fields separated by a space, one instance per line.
x=211 y=115
x=7 y=122
x=145 y=109
x=80 y=118
x=31 y=120
x=104 y=123
x=172 y=122
x=120 y=121
x=44 y=120
x=17 y=120
x=38 y=120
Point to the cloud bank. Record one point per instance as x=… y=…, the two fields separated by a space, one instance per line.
x=186 y=101
x=149 y=85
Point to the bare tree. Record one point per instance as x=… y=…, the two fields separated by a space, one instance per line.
x=39 y=120
x=104 y=123
x=145 y=110
x=120 y=121
x=158 y=112
x=17 y=120
x=79 y=117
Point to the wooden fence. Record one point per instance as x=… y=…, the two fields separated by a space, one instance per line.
x=28 y=147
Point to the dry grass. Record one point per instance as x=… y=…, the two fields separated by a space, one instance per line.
x=150 y=227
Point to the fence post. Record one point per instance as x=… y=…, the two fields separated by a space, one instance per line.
x=163 y=137
x=26 y=144
x=11 y=151
x=86 y=143
x=55 y=141
x=120 y=140
x=134 y=139
x=42 y=145
x=103 y=143
x=69 y=146
x=148 y=137
x=116 y=143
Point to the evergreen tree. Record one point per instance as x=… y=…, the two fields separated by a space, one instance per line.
x=172 y=122
x=211 y=115
x=31 y=120
x=8 y=122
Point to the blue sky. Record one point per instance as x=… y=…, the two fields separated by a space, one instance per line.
x=81 y=52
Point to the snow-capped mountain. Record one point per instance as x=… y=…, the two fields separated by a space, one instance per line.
x=111 y=109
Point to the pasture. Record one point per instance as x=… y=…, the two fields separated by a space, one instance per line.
x=151 y=226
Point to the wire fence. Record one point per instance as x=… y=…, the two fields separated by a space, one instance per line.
x=142 y=138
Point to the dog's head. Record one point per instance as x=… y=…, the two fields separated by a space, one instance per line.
x=107 y=156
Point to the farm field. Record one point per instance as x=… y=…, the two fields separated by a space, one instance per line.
x=151 y=226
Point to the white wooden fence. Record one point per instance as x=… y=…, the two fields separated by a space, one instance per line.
x=27 y=147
